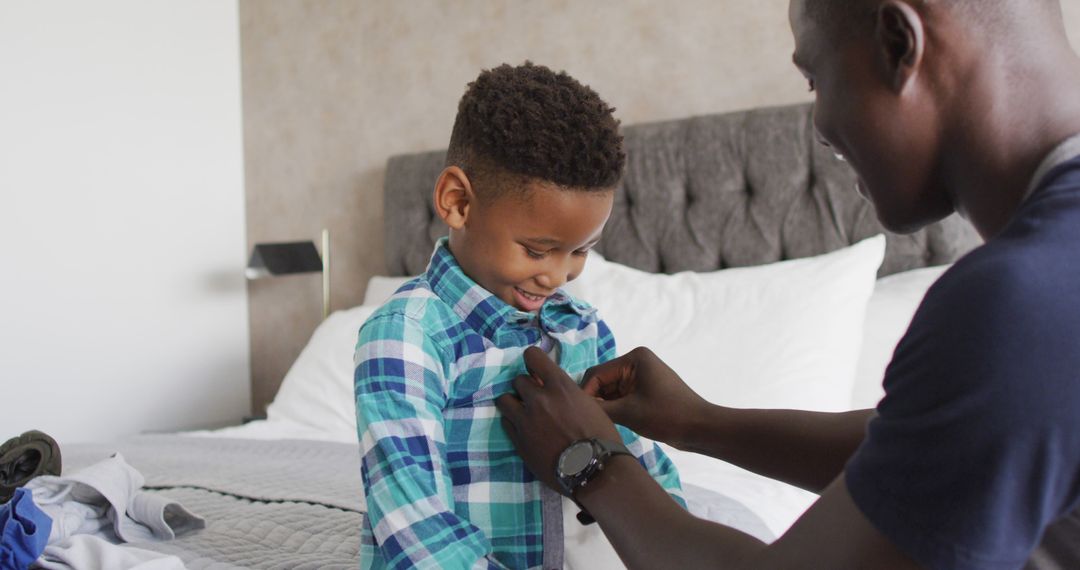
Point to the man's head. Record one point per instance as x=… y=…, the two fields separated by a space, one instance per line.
x=902 y=86
x=530 y=174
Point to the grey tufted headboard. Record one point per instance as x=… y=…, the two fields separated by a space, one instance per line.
x=701 y=194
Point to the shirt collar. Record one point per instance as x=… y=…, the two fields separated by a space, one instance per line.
x=1068 y=149
x=489 y=315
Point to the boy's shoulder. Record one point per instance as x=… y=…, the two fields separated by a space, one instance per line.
x=416 y=301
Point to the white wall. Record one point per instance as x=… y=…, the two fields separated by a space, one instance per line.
x=121 y=217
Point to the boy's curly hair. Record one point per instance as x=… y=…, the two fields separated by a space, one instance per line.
x=532 y=122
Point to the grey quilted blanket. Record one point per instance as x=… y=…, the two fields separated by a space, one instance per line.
x=267 y=504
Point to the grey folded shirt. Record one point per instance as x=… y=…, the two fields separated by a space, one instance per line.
x=107 y=499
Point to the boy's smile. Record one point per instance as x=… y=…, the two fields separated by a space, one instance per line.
x=523 y=244
x=528 y=301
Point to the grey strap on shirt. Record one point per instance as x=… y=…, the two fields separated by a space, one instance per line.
x=550 y=500
x=551 y=505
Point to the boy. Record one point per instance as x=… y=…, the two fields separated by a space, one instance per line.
x=533 y=161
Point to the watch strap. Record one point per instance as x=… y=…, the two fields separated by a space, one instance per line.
x=607 y=449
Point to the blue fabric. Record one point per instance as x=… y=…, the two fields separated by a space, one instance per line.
x=25 y=531
x=976 y=446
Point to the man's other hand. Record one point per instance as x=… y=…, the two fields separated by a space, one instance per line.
x=640 y=391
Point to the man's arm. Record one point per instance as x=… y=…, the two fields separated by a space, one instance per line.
x=628 y=505
x=805 y=449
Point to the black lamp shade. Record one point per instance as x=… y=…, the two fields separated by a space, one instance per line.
x=268 y=259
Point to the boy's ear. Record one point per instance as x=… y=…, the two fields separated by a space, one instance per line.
x=901 y=41
x=453 y=197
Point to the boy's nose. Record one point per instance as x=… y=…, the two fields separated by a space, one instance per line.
x=551 y=280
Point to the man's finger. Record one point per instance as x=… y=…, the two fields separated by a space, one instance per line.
x=603 y=379
x=599 y=384
x=614 y=409
x=511 y=431
x=511 y=407
x=526 y=386
x=591 y=382
x=539 y=365
x=591 y=387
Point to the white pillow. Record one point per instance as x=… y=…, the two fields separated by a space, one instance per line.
x=317 y=391
x=783 y=335
x=380 y=288
x=888 y=315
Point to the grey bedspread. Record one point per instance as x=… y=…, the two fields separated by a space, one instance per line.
x=286 y=503
x=267 y=504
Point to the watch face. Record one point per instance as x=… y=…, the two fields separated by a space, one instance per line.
x=576 y=458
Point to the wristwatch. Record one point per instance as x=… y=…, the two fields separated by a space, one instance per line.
x=582 y=460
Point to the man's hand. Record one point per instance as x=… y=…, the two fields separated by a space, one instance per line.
x=548 y=414
x=639 y=391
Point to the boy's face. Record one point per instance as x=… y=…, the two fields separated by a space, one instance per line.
x=523 y=246
x=888 y=134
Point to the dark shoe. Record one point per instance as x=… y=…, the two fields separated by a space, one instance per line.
x=24 y=457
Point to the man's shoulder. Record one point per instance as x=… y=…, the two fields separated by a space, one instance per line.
x=1029 y=267
x=1006 y=311
x=1017 y=290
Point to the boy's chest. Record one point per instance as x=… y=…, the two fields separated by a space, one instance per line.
x=477 y=379
x=478 y=449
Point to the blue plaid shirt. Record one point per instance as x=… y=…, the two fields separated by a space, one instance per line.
x=445 y=487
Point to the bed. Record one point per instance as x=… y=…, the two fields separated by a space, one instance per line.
x=737 y=249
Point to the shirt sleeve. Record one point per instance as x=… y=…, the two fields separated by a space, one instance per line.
x=656 y=462
x=400 y=387
x=648 y=454
x=974 y=448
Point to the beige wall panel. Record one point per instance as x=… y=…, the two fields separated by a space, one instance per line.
x=331 y=88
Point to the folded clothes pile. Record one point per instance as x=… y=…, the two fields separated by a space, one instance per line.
x=79 y=521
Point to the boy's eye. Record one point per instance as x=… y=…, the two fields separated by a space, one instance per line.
x=534 y=254
x=581 y=252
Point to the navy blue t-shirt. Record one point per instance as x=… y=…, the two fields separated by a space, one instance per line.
x=976 y=446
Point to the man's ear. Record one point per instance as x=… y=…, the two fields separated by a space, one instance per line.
x=901 y=41
x=453 y=197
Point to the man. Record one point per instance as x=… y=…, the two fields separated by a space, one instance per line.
x=972 y=459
